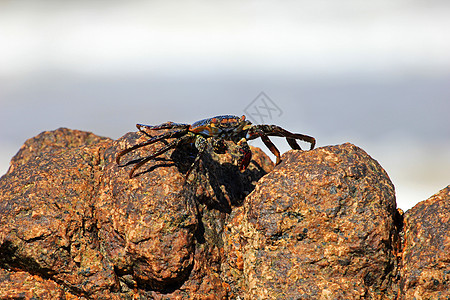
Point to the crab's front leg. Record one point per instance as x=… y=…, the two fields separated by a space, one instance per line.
x=245 y=154
x=260 y=131
x=273 y=130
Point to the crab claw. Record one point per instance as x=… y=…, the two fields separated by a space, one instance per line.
x=245 y=154
x=245 y=161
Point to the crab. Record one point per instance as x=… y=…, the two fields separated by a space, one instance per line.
x=214 y=131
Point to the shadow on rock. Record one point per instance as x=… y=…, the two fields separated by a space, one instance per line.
x=216 y=181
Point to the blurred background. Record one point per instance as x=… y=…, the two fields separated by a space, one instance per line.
x=373 y=73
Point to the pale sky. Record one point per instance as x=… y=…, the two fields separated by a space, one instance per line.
x=375 y=73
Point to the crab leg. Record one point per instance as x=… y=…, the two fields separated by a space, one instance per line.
x=246 y=153
x=293 y=143
x=153 y=140
x=271 y=147
x=168 y=125
x=166 y=148
x=292 y=137
x=273 y=130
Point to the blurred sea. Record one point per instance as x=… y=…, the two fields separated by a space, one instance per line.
x=373 y=74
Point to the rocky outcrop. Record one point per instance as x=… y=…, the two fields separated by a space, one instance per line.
x=73 y=223
x=321 y=225
x=426 y=251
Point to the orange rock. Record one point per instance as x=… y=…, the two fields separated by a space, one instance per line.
x=426 y=252
x=69 y=214
x=323 y=224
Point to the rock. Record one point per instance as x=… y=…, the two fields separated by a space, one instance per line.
x=50 y=141
x=47 y=227
x=23 y=285
x=426 y=251
x=71 y=216
x=165 y=234
x=323 y=224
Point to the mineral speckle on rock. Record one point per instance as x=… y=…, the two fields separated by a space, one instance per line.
x=321 y=225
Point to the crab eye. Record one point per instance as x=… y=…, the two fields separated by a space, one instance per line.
x=214 y=121
x=242 y=118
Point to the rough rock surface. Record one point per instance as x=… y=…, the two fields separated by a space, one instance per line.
x=426 y=252
x=46 y=226
x=71 y=217
x=321 y=225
